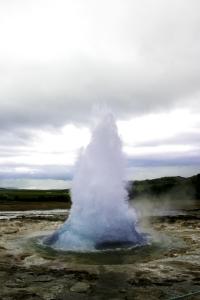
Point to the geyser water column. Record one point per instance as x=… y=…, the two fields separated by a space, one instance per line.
x=100 y=214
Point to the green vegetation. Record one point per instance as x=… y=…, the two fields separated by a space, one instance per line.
x=178 y=188
x=19 y=199
x=172 y=187
x=34 y=195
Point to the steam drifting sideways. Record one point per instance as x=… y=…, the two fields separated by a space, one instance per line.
x=100 y=216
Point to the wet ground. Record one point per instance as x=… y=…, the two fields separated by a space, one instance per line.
x=167 y=268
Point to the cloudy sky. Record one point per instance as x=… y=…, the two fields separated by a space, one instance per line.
x=58 y=59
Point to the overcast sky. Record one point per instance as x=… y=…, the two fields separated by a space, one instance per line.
x=60 y=58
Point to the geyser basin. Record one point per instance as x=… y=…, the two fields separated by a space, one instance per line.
x=100 y=214
x=117 y=255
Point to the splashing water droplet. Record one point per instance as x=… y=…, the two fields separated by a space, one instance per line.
x=100 y=215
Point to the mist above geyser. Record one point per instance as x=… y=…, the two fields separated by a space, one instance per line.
x=100 y=213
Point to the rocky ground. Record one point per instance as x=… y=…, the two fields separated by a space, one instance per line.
x=166 y=270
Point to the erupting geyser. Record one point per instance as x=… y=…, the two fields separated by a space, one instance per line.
x=100 y=214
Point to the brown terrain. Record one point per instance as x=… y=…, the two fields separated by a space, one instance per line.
x=167 y=268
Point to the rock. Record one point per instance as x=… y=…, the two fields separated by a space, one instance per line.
x=16 y=284
x=43 y=278
x=11 y=231
x=34 y=260
x=21 y=256
x=80 y=287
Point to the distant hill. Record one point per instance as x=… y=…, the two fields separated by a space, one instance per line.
x=179 y=187
x=171 y=187
x=12 y=194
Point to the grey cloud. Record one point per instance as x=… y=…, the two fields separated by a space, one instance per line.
x=8 y=171
x=57 y=172
x=185 y=138
x=164 y=74
x=15 y=137
x=42 y=99
x=163 y=161
x=137 y=57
